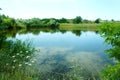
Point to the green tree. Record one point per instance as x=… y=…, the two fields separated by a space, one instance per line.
x=62 y=20
x=97 y=20
x=34 y=23
x=77 y=20
x=53 y=23
x=112 y=20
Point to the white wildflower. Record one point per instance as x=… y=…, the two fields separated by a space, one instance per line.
x=32 y=61
x=29 y=64
x=13 y=56
x=26 y=62
x=26 y=51
x=13 y=67
x=17 y=54
x=7 y=63
x=21 y=51
x=20 y=65
x=14 y=60
x=27 y=56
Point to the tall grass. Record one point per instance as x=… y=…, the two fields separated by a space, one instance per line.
x=16 y=60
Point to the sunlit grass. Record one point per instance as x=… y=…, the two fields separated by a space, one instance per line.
x=68 y=26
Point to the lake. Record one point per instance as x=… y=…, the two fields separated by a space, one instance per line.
x=79 y=53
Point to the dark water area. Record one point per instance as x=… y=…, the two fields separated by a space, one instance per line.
x=80 y=53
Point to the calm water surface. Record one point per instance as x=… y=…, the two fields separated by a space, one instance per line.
x=66 y=52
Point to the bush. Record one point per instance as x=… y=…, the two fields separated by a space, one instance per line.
x=111 y=32
x=97 y=20
x=111 y=72
x=77 y=20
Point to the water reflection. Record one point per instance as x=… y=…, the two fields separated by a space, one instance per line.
x=59 y=54
x=61 y=61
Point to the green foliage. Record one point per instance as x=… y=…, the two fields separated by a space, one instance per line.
x=112 y=20
x=11 y=23
x=97 y=20
x=111 y=32
x=114 y=52
x=14 y=54
x=62 y=20
x=77 y=20
x=111 y=72
x=20 y=25
x=15 y=60
x=33 y=23
x=44 y=23
x=53 y=24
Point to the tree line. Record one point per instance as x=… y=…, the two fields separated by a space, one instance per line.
x=11 y=23
x=7 y=22
x=77 y=20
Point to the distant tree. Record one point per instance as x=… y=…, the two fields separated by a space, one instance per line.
x=62 y=20
x=0 y=8
x=53 y=24
x=97 y=20
x=112 y=20
x=34 y=23
x=77 y=20
x=86 y=21
x=10 y=23
x=45 y=20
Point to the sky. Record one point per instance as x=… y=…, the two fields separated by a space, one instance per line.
x=87 y=9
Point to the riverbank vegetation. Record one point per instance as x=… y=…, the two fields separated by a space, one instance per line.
x=7 y=22
x=111 y=33
x=77 y=23
x=16 y=59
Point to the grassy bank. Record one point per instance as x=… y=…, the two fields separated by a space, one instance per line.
x=87 y=26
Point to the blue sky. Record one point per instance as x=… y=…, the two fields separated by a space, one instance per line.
x=87 y=9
